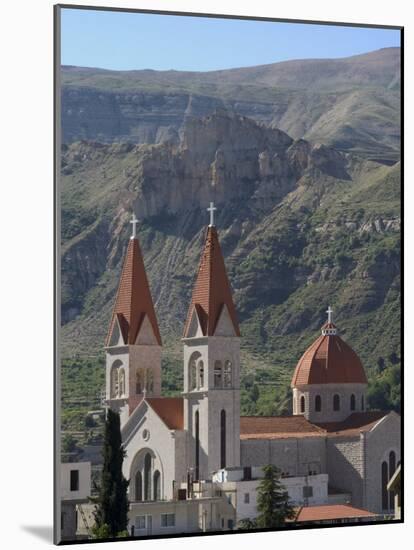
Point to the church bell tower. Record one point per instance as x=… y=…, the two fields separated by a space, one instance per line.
x=212 y=366
x=133 y=343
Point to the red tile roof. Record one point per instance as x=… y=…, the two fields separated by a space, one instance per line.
x=355 y=423
x=331 y=511
x=133 y=299
x=283 y=427
x=212 y=289
x=170 y=410
x=329 y=360
x=277 y=427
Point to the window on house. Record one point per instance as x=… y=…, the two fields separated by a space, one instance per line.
x=218 y=380
x=147 y=477
x=336 y=402
x=353 y=404
x=114 y=382
x=246 y=498
x=384 y=482
x=121 y=383
x=192 y=370
x=230 y=523
x=223 y=439
x=150 y=381
x=390 y=474
x=318 y=403
x=227 y=374
x=307 y=491
x=140 y=522
x=139 y=381
x=302 y=404
x=197 y=445
x=74 y=480
x=138 y=486
x=167 y=520
x=200 y=383
x=157 y=487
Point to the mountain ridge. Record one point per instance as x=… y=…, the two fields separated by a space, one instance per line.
x=351 y=104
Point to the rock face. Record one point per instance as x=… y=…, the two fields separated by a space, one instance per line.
x=352 y=104
x=300 y=225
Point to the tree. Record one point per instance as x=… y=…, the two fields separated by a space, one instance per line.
x=111 y=510
x=272 y=500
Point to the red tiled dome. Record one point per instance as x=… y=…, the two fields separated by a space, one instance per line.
x=329 y=360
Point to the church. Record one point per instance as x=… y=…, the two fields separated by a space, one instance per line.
x=193 y=462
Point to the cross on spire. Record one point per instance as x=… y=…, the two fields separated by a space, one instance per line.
x=329 y=311
x=134 y=222
x=211 y=209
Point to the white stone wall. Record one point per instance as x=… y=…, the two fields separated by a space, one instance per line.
x=247 y=507
x=327 y=392
x=293 y=456
x=384 y=438
x=185 y=512
x=84 y=469
x=209 y=402
x=132 y=357
x=160 y=444
x=346 y=466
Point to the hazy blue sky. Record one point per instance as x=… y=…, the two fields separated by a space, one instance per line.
x=119 y=40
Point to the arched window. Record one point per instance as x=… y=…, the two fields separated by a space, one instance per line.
x=318 y=403
x=336 y=402
x=138 y=486
x=147 y=477
x=227 y=374
x=114 y=381
x=362 y=403
x=139 y=381
x=197 y=444
x=223 y=439
x=192 y=370
x=391 y=473
x=157 y=485
x=150 y=381
x=384 y=482
x=302 y=403
x=353 y=404
x=218 y=374
x=121 y=383
x=200 y=370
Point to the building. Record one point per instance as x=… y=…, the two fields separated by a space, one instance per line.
x=75 y=490
x=172 y=443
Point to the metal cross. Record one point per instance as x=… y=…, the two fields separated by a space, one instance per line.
x=134 y=222
x=211 y=210
x=329 y=311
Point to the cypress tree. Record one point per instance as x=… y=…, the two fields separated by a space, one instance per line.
x=111 y=511
x=272 y=500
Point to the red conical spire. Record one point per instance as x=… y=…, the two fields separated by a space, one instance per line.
x=133 y=299
x=212 y=289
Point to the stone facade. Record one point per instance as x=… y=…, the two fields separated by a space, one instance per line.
x=209 y=400
x=293 y=456
x=307 y=395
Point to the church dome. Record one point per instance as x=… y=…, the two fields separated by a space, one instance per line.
x=329 y=360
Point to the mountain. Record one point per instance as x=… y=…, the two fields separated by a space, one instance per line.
x=352 y=104
x=302 y=225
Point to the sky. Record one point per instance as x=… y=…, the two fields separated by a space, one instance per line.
x=126 y=41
